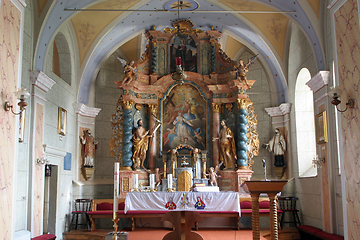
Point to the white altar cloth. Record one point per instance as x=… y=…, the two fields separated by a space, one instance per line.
x=183 y=201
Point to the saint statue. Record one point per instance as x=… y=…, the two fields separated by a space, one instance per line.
x=89 y=143
x=227 y=146
x=277 y=146
x=141 y=143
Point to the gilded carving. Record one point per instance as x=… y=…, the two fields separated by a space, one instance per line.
x=117 y=132
x=153 y=108
x=184 y=181
x=253 y=143
x=128 y=105
x=125 y=185
x=243 y=103
x=216 y=107
x=229 y=106
x=183 y=26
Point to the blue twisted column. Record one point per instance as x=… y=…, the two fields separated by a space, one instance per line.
x=241 y=134
x=127 y=136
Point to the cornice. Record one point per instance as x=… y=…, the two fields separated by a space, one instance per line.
x=85 y=111
x=41 y=80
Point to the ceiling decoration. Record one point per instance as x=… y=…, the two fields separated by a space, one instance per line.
x=175 y=5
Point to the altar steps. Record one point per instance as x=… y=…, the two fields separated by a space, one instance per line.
x=158 y=234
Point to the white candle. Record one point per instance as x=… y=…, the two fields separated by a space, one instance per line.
x=136 y=181
x=169 y=177
x=152 y=181
x=116 y=186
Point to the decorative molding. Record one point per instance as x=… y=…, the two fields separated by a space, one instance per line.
x=54 y=152
x=320 y=80
x=41 y=80
x=39 y=97
x=85 y=111
x=332 y=4
x=87 y=123
x=281 y=110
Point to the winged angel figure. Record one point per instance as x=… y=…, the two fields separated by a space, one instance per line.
x=129 y=70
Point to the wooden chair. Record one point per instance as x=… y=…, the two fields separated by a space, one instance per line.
x=288 y=205
x=81 y=207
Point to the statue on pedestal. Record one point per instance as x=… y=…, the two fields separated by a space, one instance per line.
x=89 y=143
x=227 y=146
x=277 y=146
x=141 y=144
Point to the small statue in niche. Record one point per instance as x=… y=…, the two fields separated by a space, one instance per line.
x=129 y=70
x=89 y=143
x=241 y=69
x=158 y=177
x=213 y=175
x=277 y=146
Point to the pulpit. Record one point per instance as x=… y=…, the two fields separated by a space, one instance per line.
x=271 y=188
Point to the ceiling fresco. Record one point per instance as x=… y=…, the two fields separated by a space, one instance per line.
x=101 y=27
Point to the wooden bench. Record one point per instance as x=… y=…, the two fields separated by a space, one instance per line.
x=103 y=208
x=314 y=233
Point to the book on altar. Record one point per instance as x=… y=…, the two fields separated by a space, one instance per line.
x=206 y=189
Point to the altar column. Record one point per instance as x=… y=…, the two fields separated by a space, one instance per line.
x=152 y=124
x=241 y=134
x=127 y=136
x=215 y=131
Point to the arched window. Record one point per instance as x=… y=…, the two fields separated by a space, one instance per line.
x=305 y=127
x=61 y=58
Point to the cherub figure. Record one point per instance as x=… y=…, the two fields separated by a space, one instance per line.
x=158 y=177
x=129 y=70
x=213 y=174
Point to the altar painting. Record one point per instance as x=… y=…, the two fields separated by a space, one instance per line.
x=184 y=118
x=184 y=46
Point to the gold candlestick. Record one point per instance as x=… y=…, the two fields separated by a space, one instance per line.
x=115 y=220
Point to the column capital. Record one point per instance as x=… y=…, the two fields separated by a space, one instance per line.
x=242 y=103
x=216 y=107
x=128 y=104
x=153 y=108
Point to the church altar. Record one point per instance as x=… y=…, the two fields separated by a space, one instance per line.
x=183 y=201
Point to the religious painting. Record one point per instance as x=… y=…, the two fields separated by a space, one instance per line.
x=321 y=128
x=184 y=46
x=62 y=121
x=184 y=118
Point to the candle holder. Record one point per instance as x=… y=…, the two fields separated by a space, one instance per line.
x=171 y=190
x=115 y=220
x=153 y=190
x=136 y=190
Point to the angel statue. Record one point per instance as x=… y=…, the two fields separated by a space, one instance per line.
x=243 y=68
x=129 y=70
x=213 y=174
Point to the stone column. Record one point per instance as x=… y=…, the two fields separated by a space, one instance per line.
x=215 y=131
x=127 y=136
x=152 y=124
x=241 y=134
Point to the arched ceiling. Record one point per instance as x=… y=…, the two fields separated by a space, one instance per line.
x=102 y=26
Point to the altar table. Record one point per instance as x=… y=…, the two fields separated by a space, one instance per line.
x=183 y=208
x=183 y=201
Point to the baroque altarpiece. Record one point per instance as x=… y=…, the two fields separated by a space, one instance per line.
x=185 y=113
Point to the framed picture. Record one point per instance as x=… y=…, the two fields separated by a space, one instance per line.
x=321 y=128
x=22 y=125
x=62 y=121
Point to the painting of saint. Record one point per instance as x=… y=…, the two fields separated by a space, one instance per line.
x=184 y=46
x=184 y=118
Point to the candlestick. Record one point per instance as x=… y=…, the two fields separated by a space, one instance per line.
x=136 y=182
x=116 y=197
x=152 y=182
x=169 y=176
